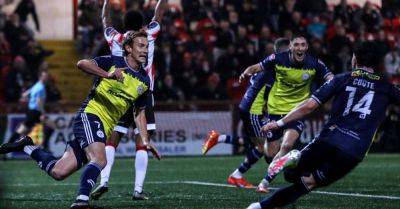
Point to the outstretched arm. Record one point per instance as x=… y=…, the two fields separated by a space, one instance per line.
x=251 y=70
x=297 y=113
x=105 y=15
x=90 y=67
x=161 y=6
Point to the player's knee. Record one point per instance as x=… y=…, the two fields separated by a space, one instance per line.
x=59 y=174
x=309 y=182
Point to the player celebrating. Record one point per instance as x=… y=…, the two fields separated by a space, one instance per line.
x=113 y=94
x=133 y=21
x=252 y=113
x=294 y=73
x=359 y=105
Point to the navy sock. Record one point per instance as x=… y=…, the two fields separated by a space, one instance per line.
x=252 y=157
x=285 y=196
x=45 y=160
x=14 y=137
x=228 y=139
x=88 y=179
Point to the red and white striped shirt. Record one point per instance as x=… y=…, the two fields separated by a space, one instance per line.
x=115 y=39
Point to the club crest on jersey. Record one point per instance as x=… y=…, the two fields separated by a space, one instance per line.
x=100 y=134
x=140 y=89
x=305 y=76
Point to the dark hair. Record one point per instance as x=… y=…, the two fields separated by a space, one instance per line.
x=130 y=37
x=133 y=20
x=298 y=36
x=367 y=54
x=281 y=44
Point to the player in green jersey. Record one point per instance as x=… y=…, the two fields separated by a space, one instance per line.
x=114 y=92
x=294 y=71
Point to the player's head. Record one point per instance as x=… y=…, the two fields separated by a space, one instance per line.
x=136 y=45
x=133 y=20
x=44 y=76
x=281 y=45
x=298 y=48
x=366 y=55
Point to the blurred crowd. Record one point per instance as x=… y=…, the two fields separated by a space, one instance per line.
x=21 y=56
x=205 y=44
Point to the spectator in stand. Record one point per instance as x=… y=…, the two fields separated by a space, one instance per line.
x=168 y=92
x=392 y=63
x=16 y=80
x=225 y=37
x=371 y=17
x=247 y=15
x=317 y=28
x=25 y=8
x=16 y=34
x=344 y=12
x=285 y=15
x=382 y=43
x=213 y=90
x=311 y=8
x=339 y=41
x=265 y=38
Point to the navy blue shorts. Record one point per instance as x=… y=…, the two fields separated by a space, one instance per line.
x=88 y=129
x=325 y=162
x=252 y=124
x=127 y=119
x=277 y=134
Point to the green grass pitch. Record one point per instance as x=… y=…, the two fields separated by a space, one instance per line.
x=170 y=185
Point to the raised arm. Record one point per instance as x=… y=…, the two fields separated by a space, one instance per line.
x=161 y=6
x=105 y=15
x=251 y=70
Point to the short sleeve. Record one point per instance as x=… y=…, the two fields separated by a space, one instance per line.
x=141 y=101
x=395 y=94
x=328 y=90
x=104 y=62
x=322 y=70
x=268 y=63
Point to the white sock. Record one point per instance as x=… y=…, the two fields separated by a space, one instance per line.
x=255 y=205
x=29 y=149
x=82 y=197
x=221 y=138
x=105 y=173
x=237 y=174
x=141 y=162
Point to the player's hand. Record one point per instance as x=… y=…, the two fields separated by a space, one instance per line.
x=270 y=126
x=117 y=74
x=153 y=150
x=243 y=76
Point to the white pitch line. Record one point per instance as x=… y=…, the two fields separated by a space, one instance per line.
x=317 y=192
x=210 y=184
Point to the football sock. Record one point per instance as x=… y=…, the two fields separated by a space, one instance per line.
x=141 y=162
x=88 y=180
x=285 y=196
x=225 y=139
x=45 y=160
x=105 y=173
x=14 y=137
x=252 y=157
x=237 y=174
